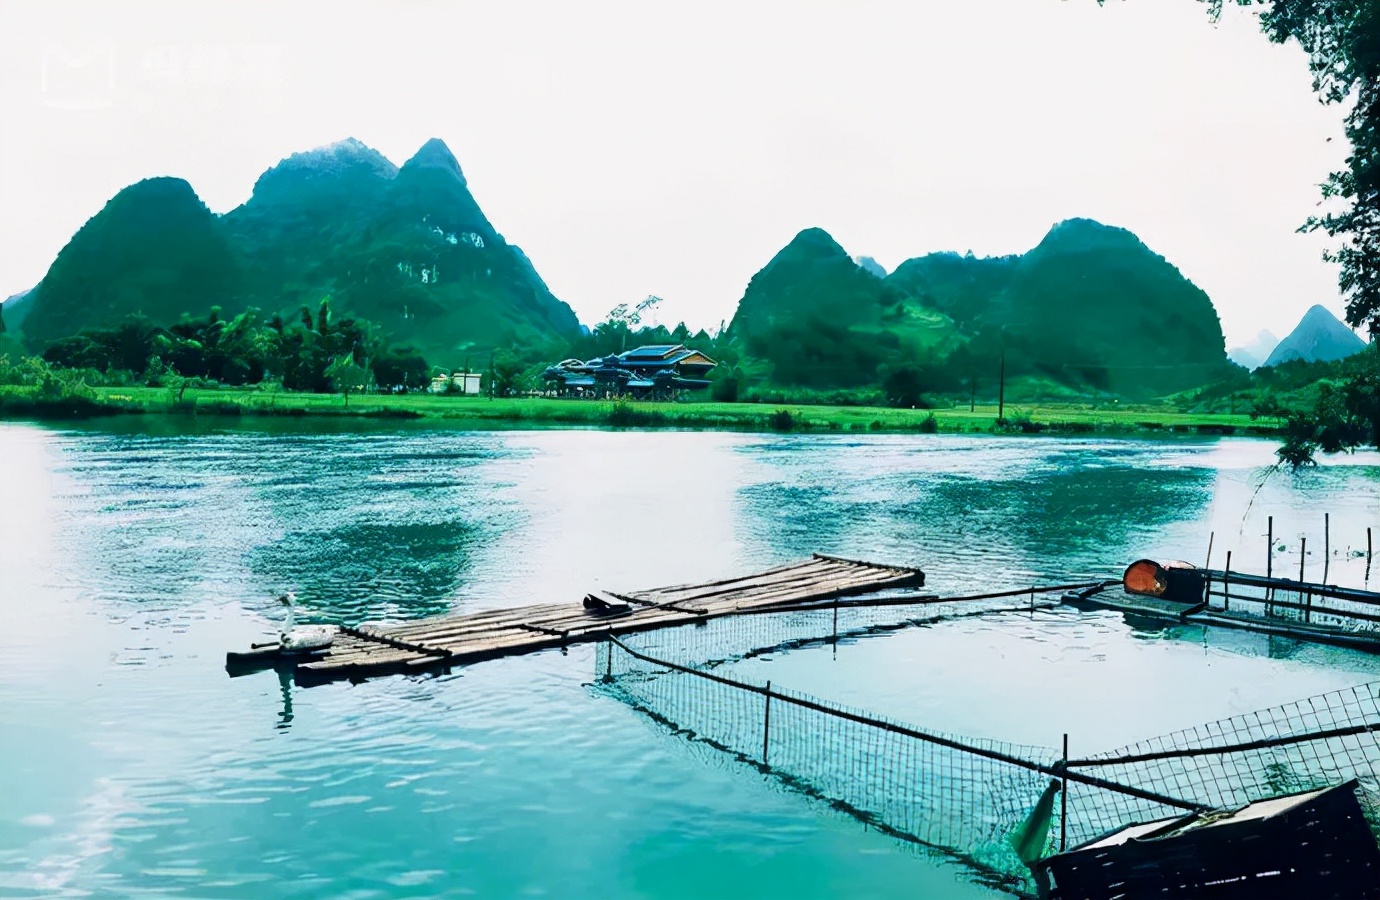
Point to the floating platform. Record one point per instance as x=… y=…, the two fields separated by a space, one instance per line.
x=378 y=649
x=1351 y=621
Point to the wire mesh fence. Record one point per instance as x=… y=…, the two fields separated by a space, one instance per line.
x=1310 y=743
x=1287 y=600
x=967 y=796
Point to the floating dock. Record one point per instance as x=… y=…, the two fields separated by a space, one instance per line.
x=378 y=649
x=1178 y=593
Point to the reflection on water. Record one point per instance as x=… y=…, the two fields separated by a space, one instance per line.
x=134 y=553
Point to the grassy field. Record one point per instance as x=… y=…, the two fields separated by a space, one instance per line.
x=537 y=411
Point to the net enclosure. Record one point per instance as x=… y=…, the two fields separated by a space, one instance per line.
x=972 y=798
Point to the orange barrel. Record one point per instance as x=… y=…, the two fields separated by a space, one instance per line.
x=1176 y=580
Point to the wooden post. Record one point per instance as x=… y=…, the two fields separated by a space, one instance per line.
x=1327 y=544
x=1064 y=799
x=608 y=661
x=836 y=619
x=1226 y=584
x=766 y=725
x=1269 y=561
x=1369 y=553
x=1207 y=563
x=1303 y=554
x=972 y=397
x=1270 y=548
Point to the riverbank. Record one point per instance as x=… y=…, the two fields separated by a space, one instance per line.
x=539 y=411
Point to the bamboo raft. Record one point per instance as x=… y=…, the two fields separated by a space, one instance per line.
x=361 y=652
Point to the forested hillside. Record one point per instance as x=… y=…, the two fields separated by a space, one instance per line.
x=408 y=249
x=1090 y=308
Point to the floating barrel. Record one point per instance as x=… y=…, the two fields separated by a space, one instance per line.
x=1176 y=580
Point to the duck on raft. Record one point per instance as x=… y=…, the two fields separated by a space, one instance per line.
x=294 y=639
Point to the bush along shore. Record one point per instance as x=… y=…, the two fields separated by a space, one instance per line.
x=59 y=400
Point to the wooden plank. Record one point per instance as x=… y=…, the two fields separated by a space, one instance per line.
x=678 y=587
x=801 y=574
x=860 y=562
x=827 y=581
x=821 y=592
x=805 y=571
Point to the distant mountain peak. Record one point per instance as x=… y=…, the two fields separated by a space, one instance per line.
x=1319 y=337
x=344 y=154
x=870 y=266
x=434 y=154
x=348 y=164
x=1319 y=314
x=817 y=240
x=1252 y=355
x=1085 y=234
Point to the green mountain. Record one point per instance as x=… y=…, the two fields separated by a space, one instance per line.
x=1092 y=304
x=154 y=249
x=1319 y=337
x=407 y=248
x=818 y=319
x=1091 y=308
x=960 y=286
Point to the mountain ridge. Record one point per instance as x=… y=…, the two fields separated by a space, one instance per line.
x=1068 y=310
x=408 y=248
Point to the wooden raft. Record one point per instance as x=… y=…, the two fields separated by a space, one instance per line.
x=377 y=649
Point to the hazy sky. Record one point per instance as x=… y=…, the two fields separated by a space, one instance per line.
x=672 y=149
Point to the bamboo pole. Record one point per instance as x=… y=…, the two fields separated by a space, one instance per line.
x=1226 y=584
x=1064 y=799
x=1270 y=548
x=1327 y=544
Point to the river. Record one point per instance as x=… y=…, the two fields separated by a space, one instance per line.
x=134 y=553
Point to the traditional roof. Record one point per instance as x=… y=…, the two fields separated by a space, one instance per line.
x=663 y=355
x=652 y=353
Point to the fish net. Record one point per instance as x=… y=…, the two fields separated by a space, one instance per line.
x=1311 y=743
x=968 y=796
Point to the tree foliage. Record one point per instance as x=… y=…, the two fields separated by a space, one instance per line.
x=320 y=353
x=1341 y=413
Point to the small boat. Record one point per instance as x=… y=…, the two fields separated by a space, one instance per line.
x=1314 y=844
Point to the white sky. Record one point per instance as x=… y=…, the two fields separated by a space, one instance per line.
x=636 y=149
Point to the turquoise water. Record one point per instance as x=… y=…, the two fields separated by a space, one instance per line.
x=134 y=554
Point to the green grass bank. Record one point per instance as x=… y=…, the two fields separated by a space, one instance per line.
x=17 y=402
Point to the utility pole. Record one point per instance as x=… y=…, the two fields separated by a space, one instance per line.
x=1001 y=389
